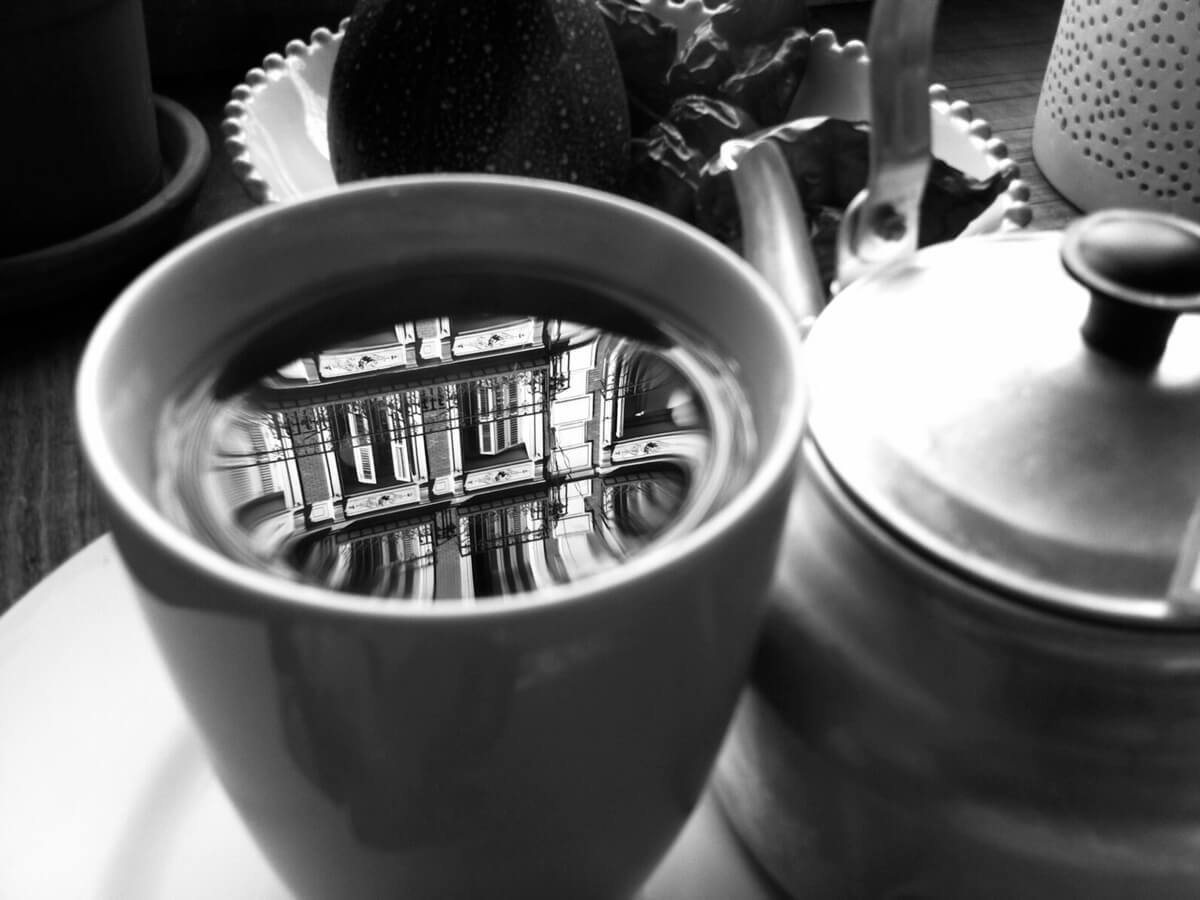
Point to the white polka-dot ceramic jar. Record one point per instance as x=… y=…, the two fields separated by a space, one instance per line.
x=1118 y=120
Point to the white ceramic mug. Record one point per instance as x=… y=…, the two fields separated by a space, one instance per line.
x=382 y=751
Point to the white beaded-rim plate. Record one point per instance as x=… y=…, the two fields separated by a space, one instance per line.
x=275 y=127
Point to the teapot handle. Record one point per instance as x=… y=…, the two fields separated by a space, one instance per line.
x=882 y=223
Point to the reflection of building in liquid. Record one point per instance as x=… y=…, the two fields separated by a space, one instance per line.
x=467 y=457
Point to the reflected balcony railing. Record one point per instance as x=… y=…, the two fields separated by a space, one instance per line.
x=512 y=525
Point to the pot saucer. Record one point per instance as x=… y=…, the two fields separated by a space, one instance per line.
x=102 y=259
x=107 y=793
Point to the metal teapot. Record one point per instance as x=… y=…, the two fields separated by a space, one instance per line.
x=980 y=676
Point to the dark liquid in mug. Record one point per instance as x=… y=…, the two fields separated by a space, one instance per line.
x=454 y=458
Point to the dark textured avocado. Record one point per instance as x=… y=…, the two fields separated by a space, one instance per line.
x=521 y=87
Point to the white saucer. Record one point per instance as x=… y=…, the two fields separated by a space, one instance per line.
x=105 y=793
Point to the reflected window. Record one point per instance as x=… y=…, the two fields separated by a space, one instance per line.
x=638 y=386
x=499 y=528
x=651 y=397
x=395 y=562
x=646 y=503
x=497 y=414
x=398 y=436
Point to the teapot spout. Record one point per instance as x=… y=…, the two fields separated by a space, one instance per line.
x=775 y=231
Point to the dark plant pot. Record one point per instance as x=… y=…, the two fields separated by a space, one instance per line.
x=82 y=147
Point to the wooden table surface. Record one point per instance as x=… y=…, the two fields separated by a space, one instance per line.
x=991 y=54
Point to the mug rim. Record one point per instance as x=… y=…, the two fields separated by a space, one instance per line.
x=126 y=499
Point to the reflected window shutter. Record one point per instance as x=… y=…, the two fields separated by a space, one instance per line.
x=398 y=435
x=365 y=464
x=262 y=451
x=509 y=409
x=360 y=438
x=485 y=412
x=238 y=486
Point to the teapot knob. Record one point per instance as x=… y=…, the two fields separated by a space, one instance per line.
x=1143 y=271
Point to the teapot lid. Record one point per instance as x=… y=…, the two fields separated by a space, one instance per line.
x=1025 y=408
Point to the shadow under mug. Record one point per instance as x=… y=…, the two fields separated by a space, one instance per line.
x=551 y=745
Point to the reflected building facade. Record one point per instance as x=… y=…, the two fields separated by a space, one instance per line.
x=463 y=457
